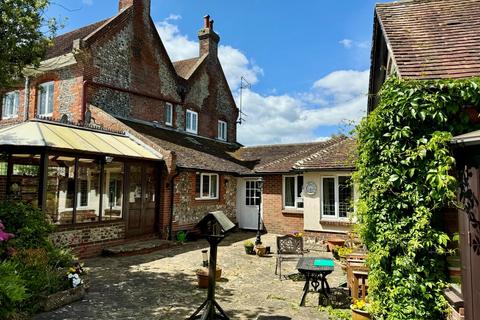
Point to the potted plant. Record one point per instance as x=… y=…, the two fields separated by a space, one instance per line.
x=248 y=246
x=260 y=250
x=359 y=310
x=202 y=276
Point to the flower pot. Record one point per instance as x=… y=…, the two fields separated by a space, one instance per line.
x=360 y=315
x=260 y=250
x=202 y=277
x=249 y=249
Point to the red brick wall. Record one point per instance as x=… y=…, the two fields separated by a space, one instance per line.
x=274 y=219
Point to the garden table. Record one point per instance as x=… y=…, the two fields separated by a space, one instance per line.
x=315 y=271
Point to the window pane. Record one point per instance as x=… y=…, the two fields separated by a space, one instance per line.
x=299 y=192
x=41 y=100
x=329 y=196
x=213 y=186
x=188 y=121
x=168 y=113
x=49 y=108
x=205 y=186
x=113 y=191
x=60 y=189
x=88 y=192
x=194 y=122
x=289 y=191
x=345 y=194
x=3 y=177
x=25 y=178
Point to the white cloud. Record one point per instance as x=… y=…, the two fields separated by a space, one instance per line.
x=349 y=43
x=173 y=17
x=179 y=47
x=87 y=2
x=274 y=118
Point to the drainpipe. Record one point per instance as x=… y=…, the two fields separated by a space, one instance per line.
x=172 y=192
x=26 y=102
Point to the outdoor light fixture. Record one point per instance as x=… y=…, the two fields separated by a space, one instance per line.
x=205 y=258
x=108 y=159
x=258 y=240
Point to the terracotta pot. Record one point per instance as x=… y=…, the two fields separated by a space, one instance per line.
x=202 y=277
x=261 y=250
x=360 y=315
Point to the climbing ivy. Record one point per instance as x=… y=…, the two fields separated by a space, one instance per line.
x=406 y=176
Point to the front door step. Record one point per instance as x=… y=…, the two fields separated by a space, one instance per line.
x=138 y=247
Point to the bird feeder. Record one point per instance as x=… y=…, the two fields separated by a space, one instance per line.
x=213 y=227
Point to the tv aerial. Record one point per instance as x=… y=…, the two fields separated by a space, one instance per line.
x=244 y=84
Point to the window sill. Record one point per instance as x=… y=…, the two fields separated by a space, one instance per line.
x=9 y=118
x=203 y=199
x=293 y=211
x=337 y=222
x=190 y=131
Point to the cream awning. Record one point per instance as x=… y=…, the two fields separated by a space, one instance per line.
x=71 y=138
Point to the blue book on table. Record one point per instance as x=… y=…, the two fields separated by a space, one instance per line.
x=323 y=263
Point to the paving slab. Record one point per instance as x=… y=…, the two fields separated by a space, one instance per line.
x=163 y=285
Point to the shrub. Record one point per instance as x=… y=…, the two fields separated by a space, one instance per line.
x=12 y=288
x=406 y=177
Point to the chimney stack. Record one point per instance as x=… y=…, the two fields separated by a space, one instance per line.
x=142 y=5
x=208 y=39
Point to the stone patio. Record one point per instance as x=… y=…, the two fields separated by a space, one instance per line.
x=162 y=285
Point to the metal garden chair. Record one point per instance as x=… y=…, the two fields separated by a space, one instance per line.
x=289 y=247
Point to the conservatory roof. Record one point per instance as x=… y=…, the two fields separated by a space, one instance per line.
x=73 y=138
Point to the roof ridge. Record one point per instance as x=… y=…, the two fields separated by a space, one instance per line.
x=286 y=144
x=321 y=152
x=330 y=142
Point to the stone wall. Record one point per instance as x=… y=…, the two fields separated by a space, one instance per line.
x=188 y=211
x=88 y=240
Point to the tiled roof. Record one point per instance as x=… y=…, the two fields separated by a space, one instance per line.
x=433 y=39
x=339 y=156
x=194 y=152
x=63 y=44
x=282 y=158
x=185 y=68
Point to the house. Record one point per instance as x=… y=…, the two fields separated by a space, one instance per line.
x=114 y=141
x=436 y=39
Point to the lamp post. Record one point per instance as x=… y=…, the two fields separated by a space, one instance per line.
x=258 y=240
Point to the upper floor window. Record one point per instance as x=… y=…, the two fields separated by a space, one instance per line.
x=10 y=105
x=45 y=99
x=191 y=122
x=206 y=186
x=293 y=192
x=222 y=130
x=337 y=197
x=168 y=114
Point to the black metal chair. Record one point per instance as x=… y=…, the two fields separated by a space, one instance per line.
x=289 y=247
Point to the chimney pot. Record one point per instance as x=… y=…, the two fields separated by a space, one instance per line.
x=207 y=21
x=211 y=24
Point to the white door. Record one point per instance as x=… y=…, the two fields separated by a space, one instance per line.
x=248 y=200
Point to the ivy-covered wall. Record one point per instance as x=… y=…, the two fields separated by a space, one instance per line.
x=406 y=177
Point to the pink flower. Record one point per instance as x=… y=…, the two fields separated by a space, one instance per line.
x=4 y=236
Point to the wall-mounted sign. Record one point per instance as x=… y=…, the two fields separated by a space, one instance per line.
x=311 y=188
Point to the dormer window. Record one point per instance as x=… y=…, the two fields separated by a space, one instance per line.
x=168 y=114
x=222 y=130
x=10 y=105
x=191 y=122
x=45 y=99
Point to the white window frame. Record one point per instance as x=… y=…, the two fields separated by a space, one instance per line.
x=209 y=175
x=168 y=107
x=297 y=199
x=337 y=199
x=13 y=112
x=222 y=130
x=254 y=187
x=189 y=124
x=41 y=88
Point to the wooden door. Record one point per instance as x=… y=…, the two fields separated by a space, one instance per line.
x=469 y=229
x=150 y=198
x=135 y=199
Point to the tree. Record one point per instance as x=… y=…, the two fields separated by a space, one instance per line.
x=25 y=34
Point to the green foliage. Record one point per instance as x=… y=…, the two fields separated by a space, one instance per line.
x=405 y=177
x=12 y=288
x=23 y=41
x=29 y=225
x=337 y=314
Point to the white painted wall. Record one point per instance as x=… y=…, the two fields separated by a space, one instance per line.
x=312 y=202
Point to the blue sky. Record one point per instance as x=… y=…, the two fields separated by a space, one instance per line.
x=307 y=60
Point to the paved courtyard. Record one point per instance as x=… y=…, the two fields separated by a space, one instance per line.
x=162 y=285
